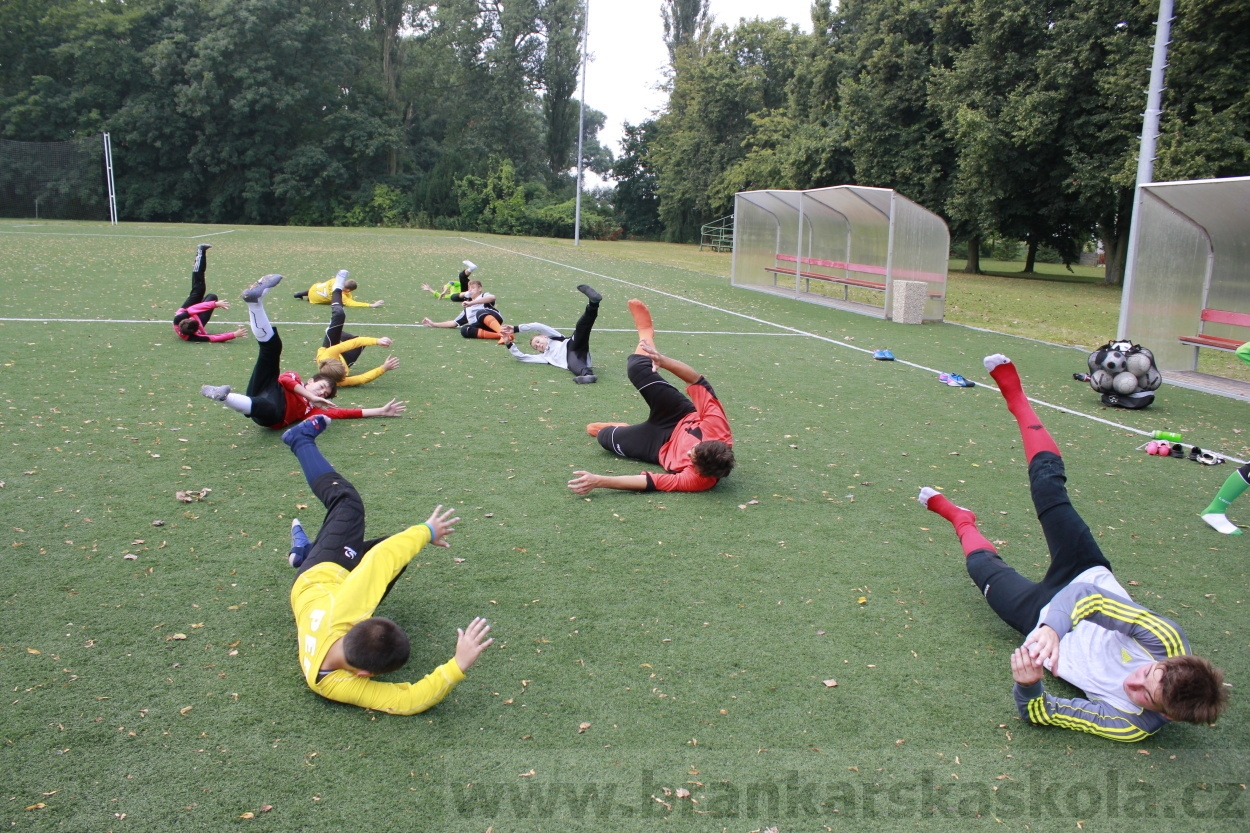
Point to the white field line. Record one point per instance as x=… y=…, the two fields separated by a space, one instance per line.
x=115 y=236
x=796 y=331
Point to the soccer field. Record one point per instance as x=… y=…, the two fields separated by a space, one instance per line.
x=660 y=659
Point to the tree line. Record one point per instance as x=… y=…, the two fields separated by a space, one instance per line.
x=457 y=114
x=1015 y=120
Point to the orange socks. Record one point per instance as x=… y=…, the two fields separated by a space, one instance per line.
x=642 y=320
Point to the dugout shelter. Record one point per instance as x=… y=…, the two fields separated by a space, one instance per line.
x=1187 y=283
x=842 y=246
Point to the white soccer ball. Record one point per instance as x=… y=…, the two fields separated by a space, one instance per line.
x=1095 y=359
x=1114 y=362
x=1124 y=383
x=1137 y=364
x=1152 y=380
x=1101 y=381
x=1122 y=346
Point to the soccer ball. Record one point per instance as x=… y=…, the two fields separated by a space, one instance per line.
x=1122 y=346
x=1114 y=362
x=1152 y=381
x=1144 y=352
x=1137 y=364
x=1096 y=359
x=1124 y=383
x=1101 y=381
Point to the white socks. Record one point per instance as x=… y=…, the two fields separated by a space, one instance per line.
x=1221 y=523
x=925 y=494
x=340 y=279
x=259 y=319
x=239 y=402
x=994 y=361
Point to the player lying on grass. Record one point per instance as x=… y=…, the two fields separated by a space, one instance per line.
x=558 y=350
x=1236 y=483
x=323 y=293
x=340 y=350
x=688 y=436
x=1132 y=664
x=449 y=290
x=479 y=317
x=275 y=399
x=193 y=315
x=341 y=580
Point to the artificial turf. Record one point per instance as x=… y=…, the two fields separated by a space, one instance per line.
x=694 y=633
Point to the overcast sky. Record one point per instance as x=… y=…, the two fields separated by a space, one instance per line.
x=628 y=53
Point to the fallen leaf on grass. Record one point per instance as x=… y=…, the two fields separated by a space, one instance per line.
x=458 y=560
x=301 y=506
x=682 y=792
x=831 y=683
x=582 y=727
x=529 y=774
x=1134 y=584
x=184 y=710
x=158 y=523
x=248 y=816
x=130 y=557
x=176 y=637
x=32 y=651
x=188 y=496
x=38 y=806
x=862 y=600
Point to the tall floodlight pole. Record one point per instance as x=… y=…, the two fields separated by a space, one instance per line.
x=581 y=128
x=1146 y=156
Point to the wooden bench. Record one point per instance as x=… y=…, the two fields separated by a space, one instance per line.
x=1218 y=316
x=813 y=276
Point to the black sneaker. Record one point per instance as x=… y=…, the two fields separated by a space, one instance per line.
x=586 y=379
x=594 y=296
x=256 y=291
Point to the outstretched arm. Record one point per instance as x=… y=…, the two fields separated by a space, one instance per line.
x=445 y=325
x=390 y=409
x=681 y=370
x=585 y=482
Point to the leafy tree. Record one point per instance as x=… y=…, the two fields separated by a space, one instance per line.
x=637 y=204
x=684 y=21
x=563 y=22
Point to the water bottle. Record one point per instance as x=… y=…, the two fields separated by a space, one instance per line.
x=1170 y=436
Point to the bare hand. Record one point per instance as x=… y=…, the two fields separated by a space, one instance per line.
x=394 y=408
x=385 y=341
x=426 y=322
x=584 y=483
x=1042 y=648
x=1023 y=670
x=376 y=304
x=470 y=642
x=508 y=330
x=223 y=305
x=240 y=331
x=426 y=287
x=319 y=401
x=391 y=363
x=442 y=524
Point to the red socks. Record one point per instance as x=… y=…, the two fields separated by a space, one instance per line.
x=964 y=521
x=1032 y=432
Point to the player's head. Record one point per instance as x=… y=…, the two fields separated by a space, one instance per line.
x=376 y=645
x=540 y=343
x=475 y=288
x=350 y=285
x=333 y=369
x=713 y=458
x=189 y=326
x=322 y=385
x=1192 y=690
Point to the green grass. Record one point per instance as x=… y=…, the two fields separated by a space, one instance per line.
x=692 y=632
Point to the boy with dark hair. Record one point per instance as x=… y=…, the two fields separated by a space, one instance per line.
x=322 y=293
x=1132 y=664
x=688 y=436
x=558 y=350
x=479 y=318
x=341 y=580
x=275 y=399
x=193 y=315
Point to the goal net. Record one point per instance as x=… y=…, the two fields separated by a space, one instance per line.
x=54 y=180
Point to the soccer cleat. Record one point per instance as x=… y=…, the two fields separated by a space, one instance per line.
x=469 y=267
x=883 y=355
x=309 y=428
x=594 y=296
x=204 y=246
x=1221 y=523
x=255 y=293
x=217 y=393
x=295 y=558
x=955 y=380
x=586 y=379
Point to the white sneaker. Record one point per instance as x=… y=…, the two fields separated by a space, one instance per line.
x=469 y=266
